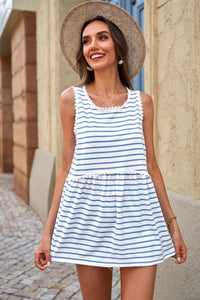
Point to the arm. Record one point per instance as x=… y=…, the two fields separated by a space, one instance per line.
x=67 y=111
x=154 y=171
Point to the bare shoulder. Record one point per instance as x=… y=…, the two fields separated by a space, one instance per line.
x=67 y=97
x=147 y=103
x=147 y=100
x=67 y=101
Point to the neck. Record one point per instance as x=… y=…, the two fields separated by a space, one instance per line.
x=107 y=82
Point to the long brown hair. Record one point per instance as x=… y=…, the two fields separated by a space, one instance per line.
x=121 y=49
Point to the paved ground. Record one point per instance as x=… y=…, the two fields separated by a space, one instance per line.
x=20 y=232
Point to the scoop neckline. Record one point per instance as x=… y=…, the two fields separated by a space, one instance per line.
x=107 y=107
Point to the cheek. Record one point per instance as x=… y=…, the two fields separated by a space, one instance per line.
x=111 y=48
x=85 y=52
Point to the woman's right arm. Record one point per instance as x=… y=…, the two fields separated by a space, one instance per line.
x=67 y=112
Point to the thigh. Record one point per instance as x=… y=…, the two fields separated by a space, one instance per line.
x=95 y=282
x=137 y=283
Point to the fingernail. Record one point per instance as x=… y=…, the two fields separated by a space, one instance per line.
x=178 y=259
x=48 y=263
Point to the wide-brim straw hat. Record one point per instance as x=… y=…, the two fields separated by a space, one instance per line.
x=70 y=35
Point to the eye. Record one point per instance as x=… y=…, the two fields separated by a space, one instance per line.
x=103 y=37
x=84 y=42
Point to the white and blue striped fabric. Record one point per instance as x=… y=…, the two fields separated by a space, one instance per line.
x=109 y=213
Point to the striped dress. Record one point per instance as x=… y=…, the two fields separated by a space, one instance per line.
x=109 y=214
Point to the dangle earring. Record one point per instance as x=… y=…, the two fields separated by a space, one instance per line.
x=120 y=62
x=89 y=68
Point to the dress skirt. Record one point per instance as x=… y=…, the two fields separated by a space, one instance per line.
x=111 y=220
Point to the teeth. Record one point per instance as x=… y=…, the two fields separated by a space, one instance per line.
x=96 y=56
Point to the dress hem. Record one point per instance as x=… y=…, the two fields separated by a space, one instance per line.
x=113 y=265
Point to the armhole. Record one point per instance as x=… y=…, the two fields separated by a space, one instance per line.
x=76 y=108
x=141 y=112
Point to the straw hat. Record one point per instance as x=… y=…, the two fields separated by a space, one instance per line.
x=74 y=20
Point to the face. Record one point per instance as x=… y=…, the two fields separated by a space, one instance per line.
x=98 y=46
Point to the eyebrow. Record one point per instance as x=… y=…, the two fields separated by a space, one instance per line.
x=98 y=33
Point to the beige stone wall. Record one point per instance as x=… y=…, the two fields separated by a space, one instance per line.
x=6 y=115
x=53 y=75
x=24 y=95
x=175 y=40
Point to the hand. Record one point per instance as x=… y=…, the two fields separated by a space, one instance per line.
x=180 y=247
x=42 y=254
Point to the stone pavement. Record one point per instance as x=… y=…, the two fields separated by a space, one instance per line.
x=21 y=230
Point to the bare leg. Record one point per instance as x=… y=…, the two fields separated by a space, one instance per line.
x=137 y=283
x=95 y=282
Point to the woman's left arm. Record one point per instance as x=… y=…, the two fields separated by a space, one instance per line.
x=154 y=171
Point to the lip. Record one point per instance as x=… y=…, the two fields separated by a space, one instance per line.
x=92 y=56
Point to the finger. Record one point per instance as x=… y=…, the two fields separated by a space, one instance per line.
x=177 y=255
x=46 y=260
x=181 y=254
x=39 y=258
x=40 y=266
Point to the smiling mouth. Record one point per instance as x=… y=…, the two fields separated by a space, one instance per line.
x=95 y=56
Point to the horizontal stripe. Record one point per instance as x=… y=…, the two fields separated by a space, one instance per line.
x=147 y=244
x=103 y=147
x=144 y=222
x=86 y=246
x=117 y=240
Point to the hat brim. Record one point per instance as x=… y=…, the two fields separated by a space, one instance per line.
x=74 y=20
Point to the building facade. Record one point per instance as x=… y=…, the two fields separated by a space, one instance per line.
x=33 y=73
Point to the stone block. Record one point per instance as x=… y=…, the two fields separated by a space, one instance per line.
x=32 y=134
x=30 y=22
x=21 y=184
x=5 y=62
x=19 y=56
x=25 y=107
x=7 y=147
x=7 y=164
x=7 y=131
x=25 y=26
x=23 y=158
x=17 y=34
x=6 y=79
x=31 y=83
x=7 y=113
x=30 y=50
x=25 y=133
x=6 y=96
x=19 y=133
x=20 y=158
x=24 y=81
x=42 y=182
x=19 y=83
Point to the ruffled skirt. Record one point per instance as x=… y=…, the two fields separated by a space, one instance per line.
x=110 y=220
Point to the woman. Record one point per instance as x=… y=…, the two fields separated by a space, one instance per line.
x=105 y=209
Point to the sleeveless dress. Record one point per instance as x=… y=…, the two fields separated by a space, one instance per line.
x=109 y=214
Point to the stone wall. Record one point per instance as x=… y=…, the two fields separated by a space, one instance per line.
x=178 y=92
x=24 y=93
x=6 y=116
x=174 y=71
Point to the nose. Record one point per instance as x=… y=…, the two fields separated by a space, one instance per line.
x=94 y=44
